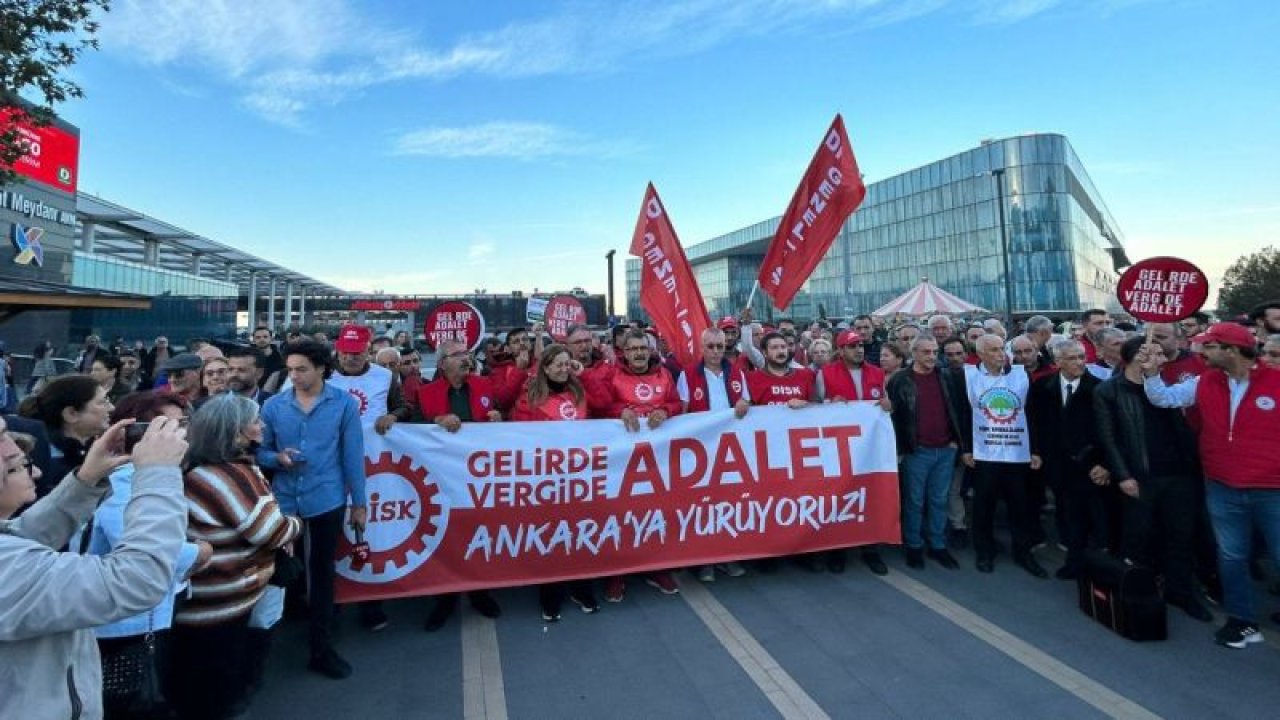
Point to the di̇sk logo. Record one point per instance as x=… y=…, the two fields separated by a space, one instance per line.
x=644 y=392
x=568 y=411
x=360 y=398
x=1000 y=405
x=26 y=240
x=875 y=393
x=484 y=402
x=407 y=519
x=1265 y=403
x=736 y=385
x=697 y=394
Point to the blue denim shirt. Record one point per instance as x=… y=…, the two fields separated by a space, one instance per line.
x=331 y=440
x=108 y=526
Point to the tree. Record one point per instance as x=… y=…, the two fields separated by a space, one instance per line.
x=1250 y=281
x=39 y=40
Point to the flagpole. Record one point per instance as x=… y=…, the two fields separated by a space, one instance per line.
x=752 y=297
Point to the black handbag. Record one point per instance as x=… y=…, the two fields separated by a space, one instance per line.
x=288 y=570
x=1125 y=598
x=130 y=679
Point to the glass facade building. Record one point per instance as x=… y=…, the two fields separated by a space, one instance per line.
x=942 y=221
x=110 y=273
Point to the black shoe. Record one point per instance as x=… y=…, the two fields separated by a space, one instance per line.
x=915 y=558
x=960 y=538
x=1028 y=563
x=1237 y=634
x=875 y=563
x=440 y=613
x=1066 y=572
x=587 y=601
x=836 y=561
x=768 y=566
x=484 y=604
x=1194 y=609
x=550 y=613
x=985 y=564
x=944 y=558
x=374 y=619
x=330 y=664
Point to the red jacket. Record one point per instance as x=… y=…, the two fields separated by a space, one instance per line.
x=1240 y=453
x=615 y=389
x=559 y=406
x=838 y=383
x=508 y=382
x=735 y=381
x=1184 y=367
x=433 y=398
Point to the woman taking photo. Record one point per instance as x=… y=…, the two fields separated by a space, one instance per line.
x=50 y=600
x=74 y=410
x=106 y=370
x=556 y=393
x=232 y=509
x=103 y=534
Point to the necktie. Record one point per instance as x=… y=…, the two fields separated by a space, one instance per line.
x=1070 y=387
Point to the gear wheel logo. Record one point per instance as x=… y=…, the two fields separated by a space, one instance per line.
x=407 y=519
x=360 y=398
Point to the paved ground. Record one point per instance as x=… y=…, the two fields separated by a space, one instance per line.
x=915 y=644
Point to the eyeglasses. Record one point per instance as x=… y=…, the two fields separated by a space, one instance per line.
x=216 y=371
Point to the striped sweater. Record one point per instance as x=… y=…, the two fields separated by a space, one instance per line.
x=230 y=506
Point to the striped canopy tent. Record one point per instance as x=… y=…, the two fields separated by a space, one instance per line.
x=926 y=299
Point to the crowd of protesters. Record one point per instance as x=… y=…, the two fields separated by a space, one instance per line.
x=1160 y=452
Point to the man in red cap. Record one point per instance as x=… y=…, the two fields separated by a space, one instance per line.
x=377 y=392
x=638 y=390
x=1238 y=421
x=850 y=377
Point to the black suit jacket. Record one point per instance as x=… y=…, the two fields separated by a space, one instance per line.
x=1065 y=438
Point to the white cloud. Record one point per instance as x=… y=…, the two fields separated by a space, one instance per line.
x=287 y=57
x=520 y=140
x=480 y=250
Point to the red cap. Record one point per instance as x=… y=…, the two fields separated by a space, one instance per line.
x=1226 y=333
x=727 y=322
x=848 y=337
x=353 y=339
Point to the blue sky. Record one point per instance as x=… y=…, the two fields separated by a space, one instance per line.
x=428 y=147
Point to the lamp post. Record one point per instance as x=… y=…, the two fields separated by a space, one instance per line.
x=1004 y=249
x=609 y=261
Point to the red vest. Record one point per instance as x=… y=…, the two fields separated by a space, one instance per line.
x=1243 y=453
x=558 y=406
x=837 y=382
x=643 y=394
x=696 y=379
x=1186 y=366
x=433 y=398
x=769 y=389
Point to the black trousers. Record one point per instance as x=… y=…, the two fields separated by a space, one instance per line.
x=1165 y=510
x=321 y=534
x=551 y=595
x=208 y=672
x=1086 y=514
x=993 y=481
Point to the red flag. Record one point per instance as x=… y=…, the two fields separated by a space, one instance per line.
x=828 y=194
x=668 y=291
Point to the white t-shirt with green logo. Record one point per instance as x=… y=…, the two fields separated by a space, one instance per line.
x=999 y=405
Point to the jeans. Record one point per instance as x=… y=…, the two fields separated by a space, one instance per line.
x=956 y=509
x=928 y=478
x=1234 y=514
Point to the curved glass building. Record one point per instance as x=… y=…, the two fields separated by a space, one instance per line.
x=942 y=221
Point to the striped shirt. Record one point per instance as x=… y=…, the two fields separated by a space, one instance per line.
x=230 y=506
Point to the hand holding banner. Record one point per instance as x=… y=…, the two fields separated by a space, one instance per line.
x=829 y=192
x=668 y=291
